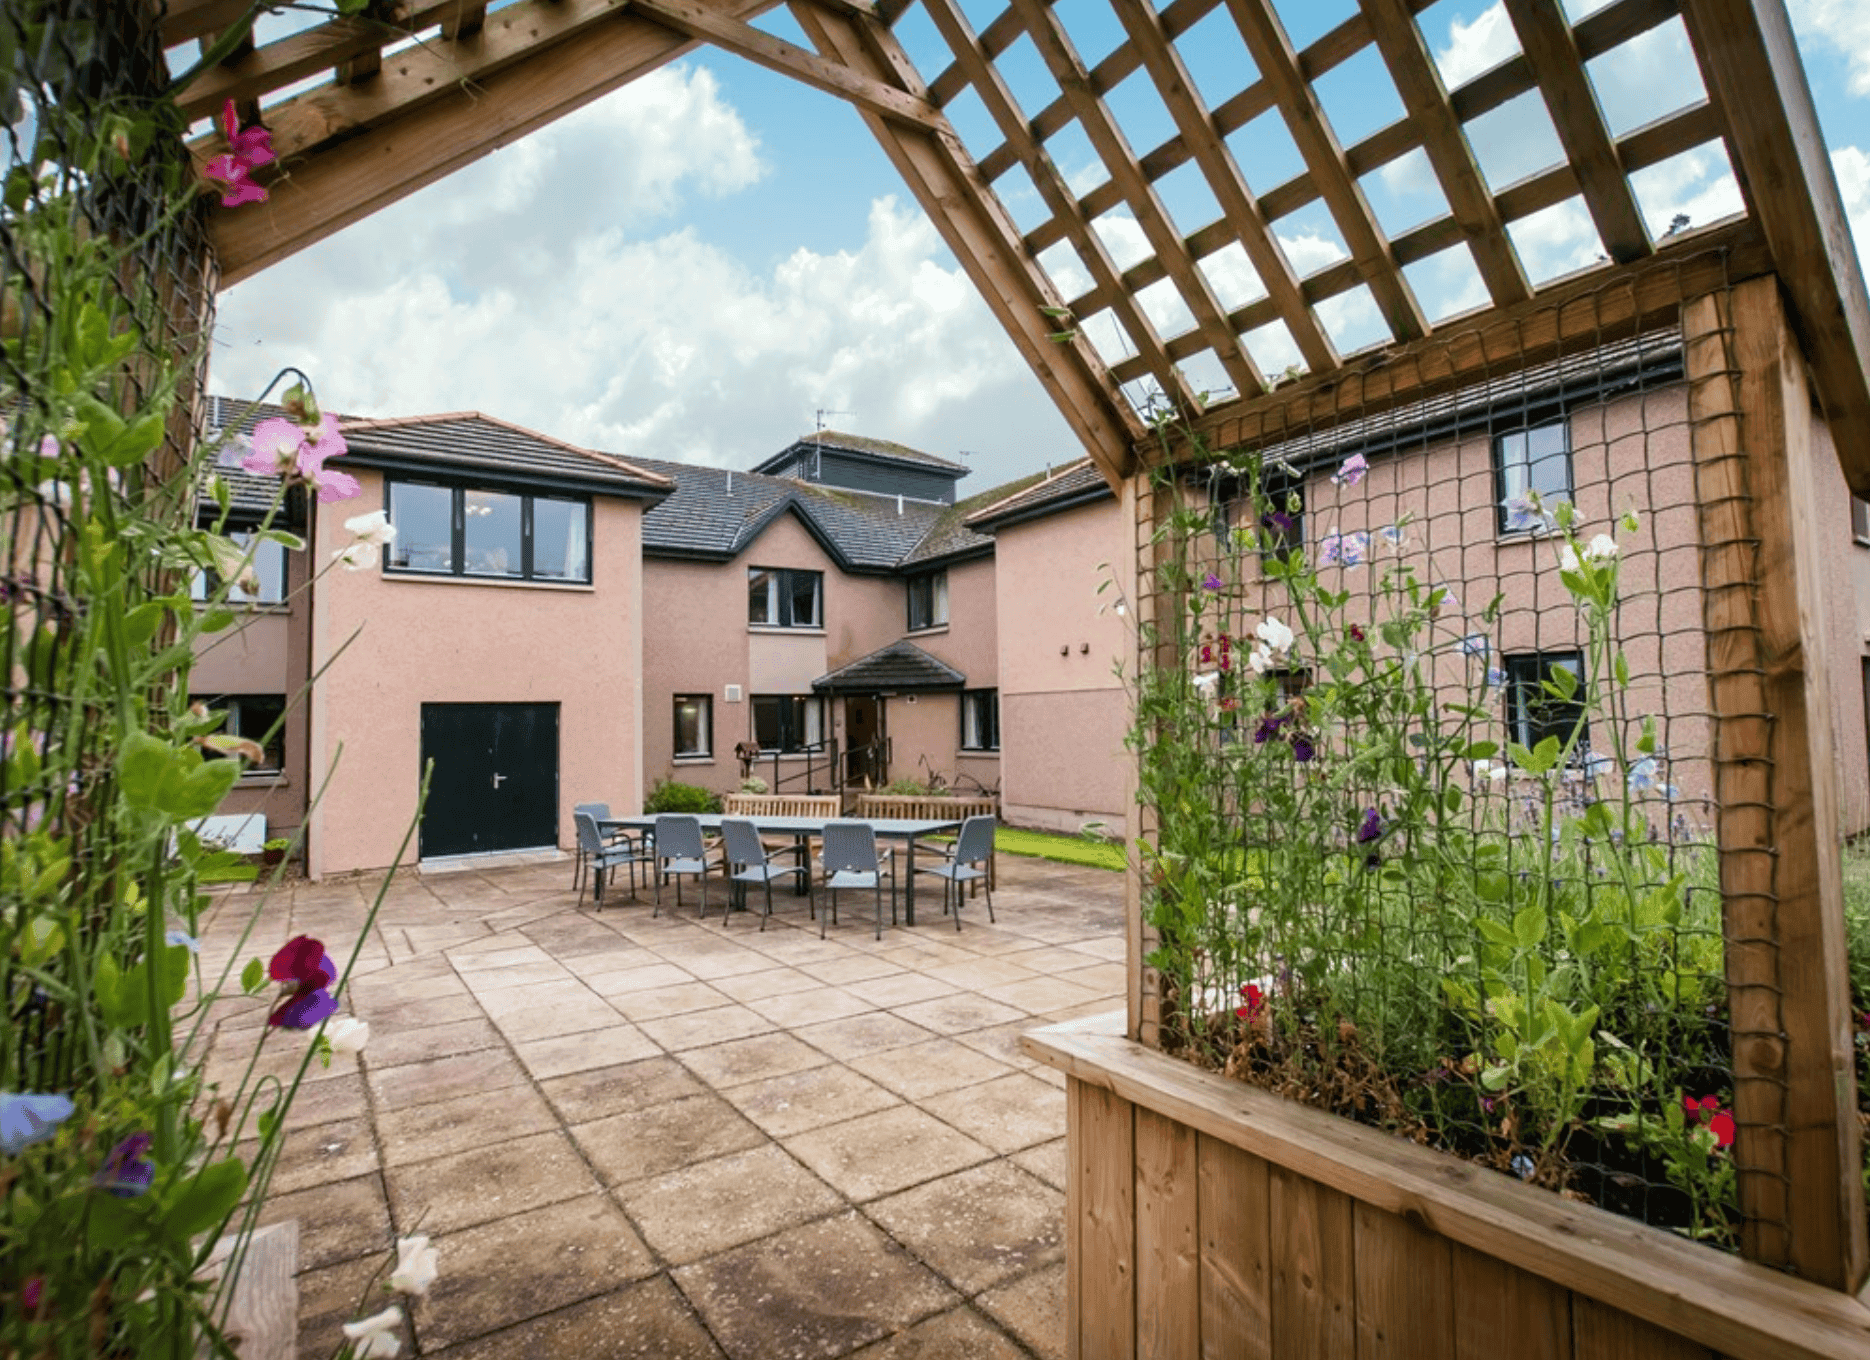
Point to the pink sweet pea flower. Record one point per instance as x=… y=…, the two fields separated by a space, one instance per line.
x=252 y=147
x=327 y=442
x=333 y=485
x=278 y=448
x=236 y=185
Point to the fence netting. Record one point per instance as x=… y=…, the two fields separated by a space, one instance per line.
x=1429 y=758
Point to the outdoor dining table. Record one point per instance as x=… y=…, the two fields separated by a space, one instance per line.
x=803 y=829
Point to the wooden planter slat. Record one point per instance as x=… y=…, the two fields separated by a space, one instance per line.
x=1360 y=1245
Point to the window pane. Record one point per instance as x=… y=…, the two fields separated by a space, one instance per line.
x=812 y=728
x=694 y=729
x=766 y=722
x=762 y=597
x=803 y=588
x=424 y=520
x=939 y=612
x=493 y=534
x=559 y=551
x=1548 y=454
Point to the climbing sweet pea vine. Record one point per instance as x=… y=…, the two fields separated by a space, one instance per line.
x=1367 y=893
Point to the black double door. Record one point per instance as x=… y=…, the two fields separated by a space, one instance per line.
x=495 y=785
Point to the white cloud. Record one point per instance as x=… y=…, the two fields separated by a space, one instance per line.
x=1476 y=46
x=1852 y=167
x=545 y=285
x=1846 y=25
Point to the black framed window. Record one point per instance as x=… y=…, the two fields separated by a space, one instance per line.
x=474 y=531
x=928 y=600
x=269 y=567
x=1533 y=711
x=980 y=719
x=1280 y=524
x=1537 y=458
x=781 y=597
x=788 y=722
x=257 y=717
x=694 y=725
x=1860 y=521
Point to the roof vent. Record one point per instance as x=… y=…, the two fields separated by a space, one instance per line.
x=899 y=502
x=730 y=481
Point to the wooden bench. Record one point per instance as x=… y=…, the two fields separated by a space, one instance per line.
x=781 y=805
x=932 y=807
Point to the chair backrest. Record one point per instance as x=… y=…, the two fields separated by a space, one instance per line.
x=678 y=837
x=976 y=841
x=601 y=811
x=590 y=840
x=850 y=846
x=742 y=839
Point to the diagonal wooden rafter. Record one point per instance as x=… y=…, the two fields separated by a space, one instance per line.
x=1056 y=50
x=1238 y=210
x=1297 y=102
x=976 y=227
x=1552 y=52
x=1406 y=55
x=1153 y=358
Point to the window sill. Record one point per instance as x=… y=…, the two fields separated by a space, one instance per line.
x=1860 y=540
x=1502 y=537
x=781 y=630
x=932 y=629
x=978 y=752
x=497 y=582
x=263 y=779
x=694 y=760
x=240 y=607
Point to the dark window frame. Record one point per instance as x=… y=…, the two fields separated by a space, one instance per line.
x=1525 y=676
x=921 y=590
x=792 y=723
x=969 y=699
x=1860 y=521
x=1560 y=420
x=243 y=721
x=785 y=578
x=458 y=494
x=1233 y=497
x=706 y=726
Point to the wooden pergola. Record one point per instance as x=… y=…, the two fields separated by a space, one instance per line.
x=383 y=116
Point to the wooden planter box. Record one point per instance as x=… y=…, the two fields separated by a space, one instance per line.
x=1207 y=1218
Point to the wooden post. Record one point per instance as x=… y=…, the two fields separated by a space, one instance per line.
x=1143 y=1012
x=1797 y=1150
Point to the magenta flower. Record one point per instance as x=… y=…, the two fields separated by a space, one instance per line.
x=1351 y=471
x=127 y=1172
x=1211 y=582
x=252 y=147
x=248 y=149
x=32 y=1293
x=1371 y=828
x=304 y=962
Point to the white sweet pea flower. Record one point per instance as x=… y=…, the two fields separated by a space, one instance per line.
x=415 y=1266
x=360 y=556
x=1276 y=636
x=378 y=1337
x=1602 y=548
x=1490 y=769
x=1207 y=681
x=347 y=1034
x=1261 y=660
x=374 y=528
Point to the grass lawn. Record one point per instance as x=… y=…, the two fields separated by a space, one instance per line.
x=1063 y=849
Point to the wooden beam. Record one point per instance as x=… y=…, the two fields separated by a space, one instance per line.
x=1612 y=304
x=1239 y=212
x=1305 y=119
x=1751 y=63
x=465 y=18
x=976 y=227
x=1405 y=52
x=1767 y=569
x=438 y=131
x=1549 y=46
x=707 y=23
x=185 y=19
x=1061 y=58
x=1000 y=105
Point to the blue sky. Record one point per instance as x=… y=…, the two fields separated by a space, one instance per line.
x=697 y=265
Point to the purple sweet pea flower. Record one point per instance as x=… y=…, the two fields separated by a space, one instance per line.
x=1268 y=728
x=127 y=1172
x=1302 y=749
x=303 y=960
x=1351 y=471
x=1211 y=582
x=28 y=1117
x=1371 y=828
x=305 y=1008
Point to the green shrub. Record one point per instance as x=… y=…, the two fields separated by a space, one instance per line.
x=669 y=796
x=907 y=788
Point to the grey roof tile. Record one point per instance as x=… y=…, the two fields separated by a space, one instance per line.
x=468 y=440
x=857 y=443
x=901 y=665
x=1068 y=485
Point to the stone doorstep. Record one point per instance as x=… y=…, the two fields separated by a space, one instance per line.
x=263 y=1318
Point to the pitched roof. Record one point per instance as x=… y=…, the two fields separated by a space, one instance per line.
x=1074 y=484
x=861 y=444
x=901 y=665
x=486 y=444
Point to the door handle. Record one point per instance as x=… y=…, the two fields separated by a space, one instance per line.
x=497 y=779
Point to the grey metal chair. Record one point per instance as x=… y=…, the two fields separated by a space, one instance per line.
x=749 y=861
x=600 y=812
x=599 y=858
x=851 y=860
x=679 y=851
x=967 y=863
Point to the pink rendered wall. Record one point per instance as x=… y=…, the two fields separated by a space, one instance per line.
x=694 y=642
x=433 y=641
x=1063 y=709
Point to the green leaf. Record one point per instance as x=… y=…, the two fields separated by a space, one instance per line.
x=1529 y=927
x=216 y=619
x=1481 y=750
x=253 y=976
x=1621 y=669
x=140 y=770
x=1496 y=1078
x=1560 y=681
x=115 y=997
x=39 y=941
x=1494 y=932
x=293 y=543
x=1546 y=753
x=207 y=1199
x=140 y=624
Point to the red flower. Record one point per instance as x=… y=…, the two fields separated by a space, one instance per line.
x=303 y=960
x=1707 y=1112
x=1256 y=1002
x=1723 y=1127
x=1357 y=634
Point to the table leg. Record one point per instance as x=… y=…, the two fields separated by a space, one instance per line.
x=909 y=888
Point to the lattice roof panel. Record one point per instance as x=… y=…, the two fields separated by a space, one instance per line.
x=1158 y=270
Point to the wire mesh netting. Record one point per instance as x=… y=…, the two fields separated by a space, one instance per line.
x=104 y=298
x=1430 y=753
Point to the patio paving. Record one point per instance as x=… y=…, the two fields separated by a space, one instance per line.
x=661 y=1137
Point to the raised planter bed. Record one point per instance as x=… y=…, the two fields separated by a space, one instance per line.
x=1204 y=1217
